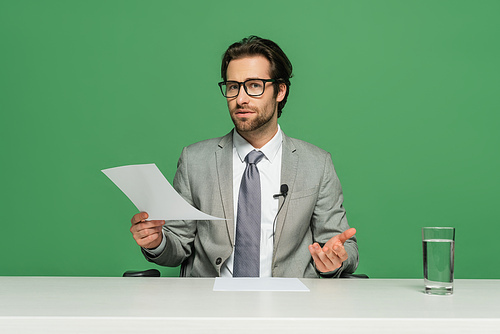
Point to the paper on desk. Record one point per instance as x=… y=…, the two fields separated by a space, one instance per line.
x=259 y=284
x=150 y=192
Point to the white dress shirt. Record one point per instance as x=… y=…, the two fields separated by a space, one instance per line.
x=270 y=177
x=270 y=182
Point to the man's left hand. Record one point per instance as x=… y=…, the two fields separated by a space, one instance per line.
x=333 y=253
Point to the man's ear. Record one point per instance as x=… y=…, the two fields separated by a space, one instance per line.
x=281 y=92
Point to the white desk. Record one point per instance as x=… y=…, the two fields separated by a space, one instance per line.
x=187 y=305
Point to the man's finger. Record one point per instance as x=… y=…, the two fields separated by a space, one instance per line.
x=325 y=261
x=332 y=255
x=147 y=227
x=341 y=253
x=148 y=224
x=346 y=235
x=141 y=234
x=317 y=261
x=151 y=241
x=138 y=217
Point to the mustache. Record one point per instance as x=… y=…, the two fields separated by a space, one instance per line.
x=247 y=107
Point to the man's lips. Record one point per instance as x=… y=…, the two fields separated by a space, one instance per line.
x=244 y=112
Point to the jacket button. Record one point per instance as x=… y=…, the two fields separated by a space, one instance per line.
x=218 y=261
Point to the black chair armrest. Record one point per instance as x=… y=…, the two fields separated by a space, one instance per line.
x=143 y=273
x=347 y=275
x=156 y=273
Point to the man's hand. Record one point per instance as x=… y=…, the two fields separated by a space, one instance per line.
x=333 y=253
x=147 y=234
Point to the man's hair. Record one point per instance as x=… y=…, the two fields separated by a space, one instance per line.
x=281 y=67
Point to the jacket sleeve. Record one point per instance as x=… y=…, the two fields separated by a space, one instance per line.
x=179 y=234
x=329 y=218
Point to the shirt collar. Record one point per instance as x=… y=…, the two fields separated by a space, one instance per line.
x=270 y=150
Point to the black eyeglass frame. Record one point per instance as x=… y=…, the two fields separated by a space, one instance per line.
x=264 y=81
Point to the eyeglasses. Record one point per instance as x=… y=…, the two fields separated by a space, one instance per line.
x=253 y=87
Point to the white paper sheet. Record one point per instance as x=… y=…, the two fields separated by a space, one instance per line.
x=259 y=284
x=150 y=192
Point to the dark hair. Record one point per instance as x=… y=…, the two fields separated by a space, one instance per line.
x=281 y=67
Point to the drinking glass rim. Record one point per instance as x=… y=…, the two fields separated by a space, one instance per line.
x=439 y=228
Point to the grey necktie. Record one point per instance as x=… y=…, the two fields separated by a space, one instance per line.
x=247 y=247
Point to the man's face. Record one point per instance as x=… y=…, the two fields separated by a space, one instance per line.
x=248 y=113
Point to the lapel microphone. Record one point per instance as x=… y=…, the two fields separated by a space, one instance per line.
x=284 y=191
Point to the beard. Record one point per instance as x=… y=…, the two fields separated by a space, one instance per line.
x=262 y=118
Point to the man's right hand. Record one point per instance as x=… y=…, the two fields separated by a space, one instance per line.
x=147 y=234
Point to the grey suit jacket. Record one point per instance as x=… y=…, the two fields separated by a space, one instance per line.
x=312 y=212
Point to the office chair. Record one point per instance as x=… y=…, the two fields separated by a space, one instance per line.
x=156 y=273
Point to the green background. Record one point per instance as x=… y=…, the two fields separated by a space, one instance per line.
x=404 y=94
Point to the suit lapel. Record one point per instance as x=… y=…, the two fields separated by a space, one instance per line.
x=289 y=163
x=224 y=157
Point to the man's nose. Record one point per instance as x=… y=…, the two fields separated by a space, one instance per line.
x=242 y=97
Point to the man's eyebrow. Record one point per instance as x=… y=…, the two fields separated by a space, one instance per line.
x=253 y=78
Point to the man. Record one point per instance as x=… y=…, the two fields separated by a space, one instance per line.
x=284 y=207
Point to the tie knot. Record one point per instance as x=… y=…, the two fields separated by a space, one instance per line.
x=254 y=157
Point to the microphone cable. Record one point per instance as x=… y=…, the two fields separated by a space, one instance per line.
x=284 y=193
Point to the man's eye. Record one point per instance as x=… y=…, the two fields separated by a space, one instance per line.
x=255 y=85
x=232 y=86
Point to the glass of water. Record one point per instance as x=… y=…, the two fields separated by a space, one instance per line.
x=439 y=255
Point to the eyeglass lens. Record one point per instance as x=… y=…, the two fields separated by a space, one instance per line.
x=252 y=88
